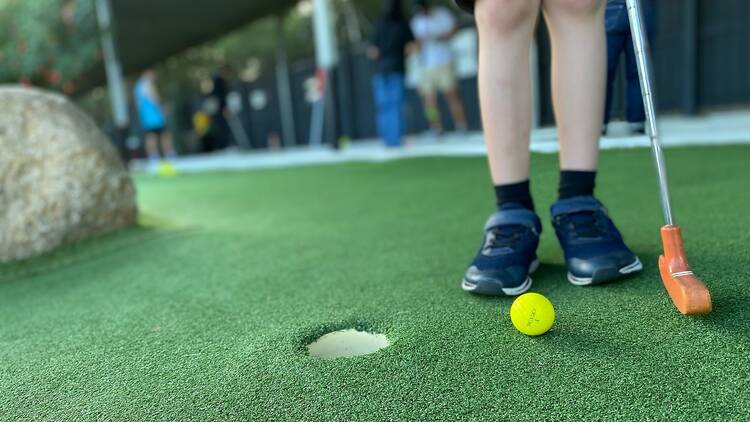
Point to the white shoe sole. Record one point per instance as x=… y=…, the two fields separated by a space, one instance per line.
x=587 y=281
x=511 y=291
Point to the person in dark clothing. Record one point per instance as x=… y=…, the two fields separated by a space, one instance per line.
x=619 y=41
x=388 y=47
x=220 y=126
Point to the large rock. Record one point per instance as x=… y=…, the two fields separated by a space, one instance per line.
x=60 y=178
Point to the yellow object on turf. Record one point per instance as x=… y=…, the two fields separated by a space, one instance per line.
x=166 y=169
x=532 y=314
x=201 y=123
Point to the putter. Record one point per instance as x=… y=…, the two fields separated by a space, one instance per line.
x=689 y=295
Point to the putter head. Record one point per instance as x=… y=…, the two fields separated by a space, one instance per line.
x=689 y=295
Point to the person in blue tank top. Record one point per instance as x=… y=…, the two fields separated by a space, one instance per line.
x=152 y=118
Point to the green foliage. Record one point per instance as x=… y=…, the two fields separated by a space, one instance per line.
x=54 y=43
x=252 y=45
x=49 y=44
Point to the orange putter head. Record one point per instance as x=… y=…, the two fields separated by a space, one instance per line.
x=689 y=294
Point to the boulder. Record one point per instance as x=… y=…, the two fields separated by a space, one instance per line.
x=61 y=179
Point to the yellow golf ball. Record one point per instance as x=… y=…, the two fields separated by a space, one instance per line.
x=532 y=314
x=166 y=169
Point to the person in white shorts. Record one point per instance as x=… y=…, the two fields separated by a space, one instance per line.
x=433 y=27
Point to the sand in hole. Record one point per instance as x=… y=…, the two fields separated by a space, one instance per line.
x=347 y=343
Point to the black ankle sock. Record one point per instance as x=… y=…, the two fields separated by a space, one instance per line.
x=576 y=183
x=516 y=193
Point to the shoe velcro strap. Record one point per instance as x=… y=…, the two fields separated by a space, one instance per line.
x=520 y=217
x=576 y=204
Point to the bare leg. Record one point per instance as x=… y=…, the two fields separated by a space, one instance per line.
x=167 y=146
x=506 y=28
x=457 y=109
x=432 y=112
x=152 y=146
x=579 y=60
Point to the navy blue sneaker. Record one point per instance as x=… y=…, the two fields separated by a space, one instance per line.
x=594 y=249
x=507 y=255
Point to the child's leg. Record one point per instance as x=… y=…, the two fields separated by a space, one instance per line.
x=593 y=247
x=511 y=234
x=506 y=28
x=579 y=58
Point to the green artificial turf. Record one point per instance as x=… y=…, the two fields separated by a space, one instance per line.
x=205 y=310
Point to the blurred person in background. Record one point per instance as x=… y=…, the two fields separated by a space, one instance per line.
x=390 y=39
x=619 y=41
x=202 y=130
x=433 y=28
x=218 y=95
x=152 y=119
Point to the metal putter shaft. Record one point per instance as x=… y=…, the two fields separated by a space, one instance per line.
x=688 y=293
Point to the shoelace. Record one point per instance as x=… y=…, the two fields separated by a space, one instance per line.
x=504 y=237
x=586 y=224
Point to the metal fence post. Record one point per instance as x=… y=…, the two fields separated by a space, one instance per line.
x=283 y=87
x=112 y=65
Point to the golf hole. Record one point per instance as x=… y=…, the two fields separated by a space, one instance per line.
x=346 y=344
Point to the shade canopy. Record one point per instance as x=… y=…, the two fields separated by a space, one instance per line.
x=151 y=30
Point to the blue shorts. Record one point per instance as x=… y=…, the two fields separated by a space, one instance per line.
x=154 y=130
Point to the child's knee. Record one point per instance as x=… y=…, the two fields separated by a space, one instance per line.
x=502 y=16
x=576 y=7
